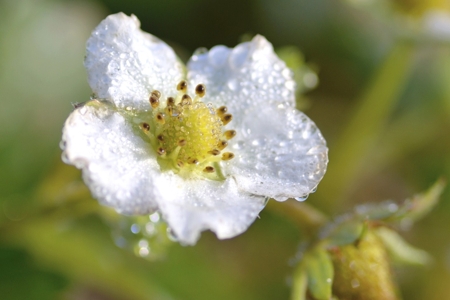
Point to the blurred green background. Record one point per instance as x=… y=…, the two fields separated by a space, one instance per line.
x=382 y=103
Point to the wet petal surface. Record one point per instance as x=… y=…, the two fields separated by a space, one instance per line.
x=280 y=153
x=125 y=64
x=118 y=166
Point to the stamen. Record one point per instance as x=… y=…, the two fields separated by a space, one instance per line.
x=157 y=94
x=182 y=86
x=222 y=110
x=222 y=145
x=214 y=152
x=227 y=119
x=229 y=134
x=186 y=100
x=193 y=161
x=145 y=127
x=169 y=110
x=160 y=118
x=188 y=134
x=170 y=101
x=208 y=169
x=154 y=101
x=200 y=90
x=161 y=151
x=227 y=156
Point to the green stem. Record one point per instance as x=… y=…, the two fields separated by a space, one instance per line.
x=306 y=217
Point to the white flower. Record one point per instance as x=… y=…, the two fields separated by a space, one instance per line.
x=139 y=158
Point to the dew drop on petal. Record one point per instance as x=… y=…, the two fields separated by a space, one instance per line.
x=154 y=217
x=238 y=56
x=218 y=56
x=302 y=198
x=171 y=235
x=83 y=110
x=233 y=84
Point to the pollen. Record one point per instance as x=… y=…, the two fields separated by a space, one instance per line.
x=188 y=134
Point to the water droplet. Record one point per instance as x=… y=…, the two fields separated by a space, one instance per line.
x=154 y=217
x=201 y=50
x=392 y=207
x=233 y=84
x=310 y=80
x=171 y=235
x=355 y=283
x=238 y=56
x=290 y=85
x=302 y=198
x=83 y=110
x=218 y=56
x=135 y=228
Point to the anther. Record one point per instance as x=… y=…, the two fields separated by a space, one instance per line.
x=222 y=145
x=229 y=134
x=145 y=127
x=193 y=161
x=222 y=110
x=161 y=138
x=180 y=164
x=214 y=152
x=169 y=110
x=162 y=151
x=160 y=118
x=227 y=119
x=200 y=90
x=156 y=93
x=182 y=86
x=186 y=100
x=182 y=142
x=208 y=169
x=154 y=100
x=170 y=101
x=227 y=156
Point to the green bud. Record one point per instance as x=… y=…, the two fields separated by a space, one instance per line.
x=362 y=271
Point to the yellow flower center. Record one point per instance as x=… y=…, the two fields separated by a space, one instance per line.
x=188 y=134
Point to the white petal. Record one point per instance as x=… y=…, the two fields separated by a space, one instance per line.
x=125 y=64
x=248 y=75
x=280 y=153
x=192 y=206
x=118 y=166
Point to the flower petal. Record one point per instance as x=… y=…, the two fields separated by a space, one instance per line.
x=125 y=64
x=248 y=75
x=192 y=206
x=280 y=153
x=118 y=166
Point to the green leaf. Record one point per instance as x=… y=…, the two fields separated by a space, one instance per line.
x=420 y=205
x=411 y=209
x=377 y=211
x=399 y=250
x=346 y=233
x=319 y=269
x=300 y=283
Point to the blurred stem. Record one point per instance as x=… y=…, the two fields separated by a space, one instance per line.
x=306 y=217
x=365 y=125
